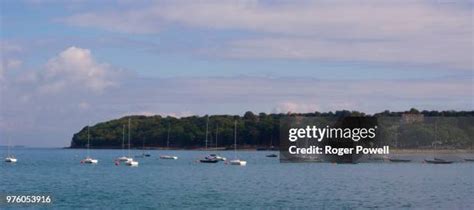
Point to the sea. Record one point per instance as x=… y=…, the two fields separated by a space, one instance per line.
x=264 y=183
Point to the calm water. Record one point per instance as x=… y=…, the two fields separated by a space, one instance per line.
x=263 y=183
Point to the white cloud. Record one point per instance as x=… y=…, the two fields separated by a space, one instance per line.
x=414 y=32
x=76 y=68
x=293 y=107
x=8 y=52
x=84 y=105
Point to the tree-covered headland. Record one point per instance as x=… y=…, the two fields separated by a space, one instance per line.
x=410 y=129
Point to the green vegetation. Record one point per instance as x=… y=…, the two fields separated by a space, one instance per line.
x=454 y=130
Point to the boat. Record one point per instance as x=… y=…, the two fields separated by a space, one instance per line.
x=436 y=142
x=205 y=160
x=469 y=159
x=272 y=155
x=236 y=161
x=10 y=158
x=217 y=157
x=130 y=162
x=88 y=159
x=438 y=161
x=208 y=159
x=396 y=160
x=168 y=157
x=144 y=154
x=124 y=158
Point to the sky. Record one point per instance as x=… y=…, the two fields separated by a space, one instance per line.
x=67 y=64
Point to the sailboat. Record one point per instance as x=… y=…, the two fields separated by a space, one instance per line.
x=88 y=159
x=168 y=157
x=437 y=160
x=394 y=159
x=10 y=158
x=236 y=161
x=208 y=159
x=207 y=129
x=216 y=156
x=144 y=154
x=271 y=147
x=123 y=158
x=130 y=162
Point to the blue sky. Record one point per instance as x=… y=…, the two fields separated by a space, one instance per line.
x=69 y=63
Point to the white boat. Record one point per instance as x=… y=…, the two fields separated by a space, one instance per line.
x=130 y=162
x=88 y=159
x=168 y=157
x=10 y=158
x=236 y=161
x=217 y=157
x=124 y=158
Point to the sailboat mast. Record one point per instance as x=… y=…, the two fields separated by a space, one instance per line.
x=217 y=131
x=88 y=140
x=8 y=147
x=168 y=137
x=123 y=138
x=235 y=138
x=128 y=137
x=207 y=129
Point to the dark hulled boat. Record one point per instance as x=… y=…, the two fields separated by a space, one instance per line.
x=396 y=160
x=208 y=160
x=438 y=161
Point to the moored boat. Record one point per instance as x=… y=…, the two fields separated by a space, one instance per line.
x=131 y=163
x=205 y=160
x=88 y=159
x=10 y=158
x=168 y=157
x=236 y=161
x=397 y=160
x=438 y=161
x=124 y=158
x=217 y=157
